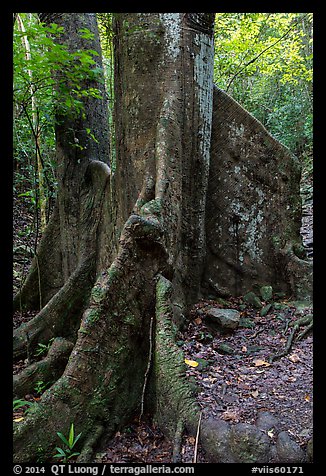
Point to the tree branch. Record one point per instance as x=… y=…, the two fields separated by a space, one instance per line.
x=261 y=53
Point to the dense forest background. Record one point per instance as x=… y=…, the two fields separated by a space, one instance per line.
x=263 y=60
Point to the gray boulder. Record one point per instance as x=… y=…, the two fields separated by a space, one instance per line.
x=224 y=318
x=288 y=450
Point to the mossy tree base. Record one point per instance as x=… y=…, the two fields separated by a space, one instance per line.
x=104 y=386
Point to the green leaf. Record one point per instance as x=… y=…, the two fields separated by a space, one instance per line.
x=21 y=403
x=63 y=438
x=71 y=436
x=73 y=454
x=86 y=33
x=61 y=453
x=75 y=441
x=29 y=193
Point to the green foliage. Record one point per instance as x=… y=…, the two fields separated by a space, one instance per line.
x=49 y=82
x=27 y=406
x=43 y=348
x=19 y=403
x=66 y=453
x=30 y=195
x=50 y=59
x=41 y=386
x=264 y=60
x=266 y=44
x=105 y=24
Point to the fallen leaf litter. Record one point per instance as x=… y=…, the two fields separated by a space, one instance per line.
x=237 y=385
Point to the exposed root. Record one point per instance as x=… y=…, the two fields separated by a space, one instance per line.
x=47 y=370
x=176 y=455
x=61 y=316
x=286 y=349
x=299 y=272
x=103 y=381
x=44 y=278
x=305 y=331
x=303 y=321
x=222 y=442
x=102 y=386
x=174 y=398
x=90 y=445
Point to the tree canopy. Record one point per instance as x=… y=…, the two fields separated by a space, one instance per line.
x=265 y=61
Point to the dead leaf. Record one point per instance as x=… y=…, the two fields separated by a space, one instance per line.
x=17 y=420
x=292 y=379
x=229 y=415
x=217 y=369
x=260 y=362
x=198 y=320
x=307 y=398
x=191 y=363
x=294 y=358
x=191 y=440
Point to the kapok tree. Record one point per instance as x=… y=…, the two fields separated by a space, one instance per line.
x=125 y=254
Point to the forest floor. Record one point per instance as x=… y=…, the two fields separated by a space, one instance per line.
x=233 y=372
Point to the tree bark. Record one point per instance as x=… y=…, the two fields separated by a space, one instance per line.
x=157 y=173
x=143 y=234
x=83 y=177
x=168 y=140
x=253 y=209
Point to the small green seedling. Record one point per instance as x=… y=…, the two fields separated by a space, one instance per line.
x=43 y=348
x=41 y=386
x=66 y=453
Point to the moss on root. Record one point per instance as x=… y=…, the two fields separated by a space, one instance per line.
x=174 y=397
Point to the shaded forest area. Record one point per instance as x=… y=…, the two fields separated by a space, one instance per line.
x=246 y=356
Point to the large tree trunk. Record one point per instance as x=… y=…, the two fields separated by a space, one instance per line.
x=164 y=81
x=146 y=247
x=253 y=209
x=77 y=239
x=162 y=165
x=82 y=173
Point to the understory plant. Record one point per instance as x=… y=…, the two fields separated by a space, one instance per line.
x=19 y=403
x=43 y=348
x=41 y=386
x=67 y=453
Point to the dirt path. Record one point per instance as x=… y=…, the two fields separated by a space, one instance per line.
x=236 y=378
x=235 y=381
